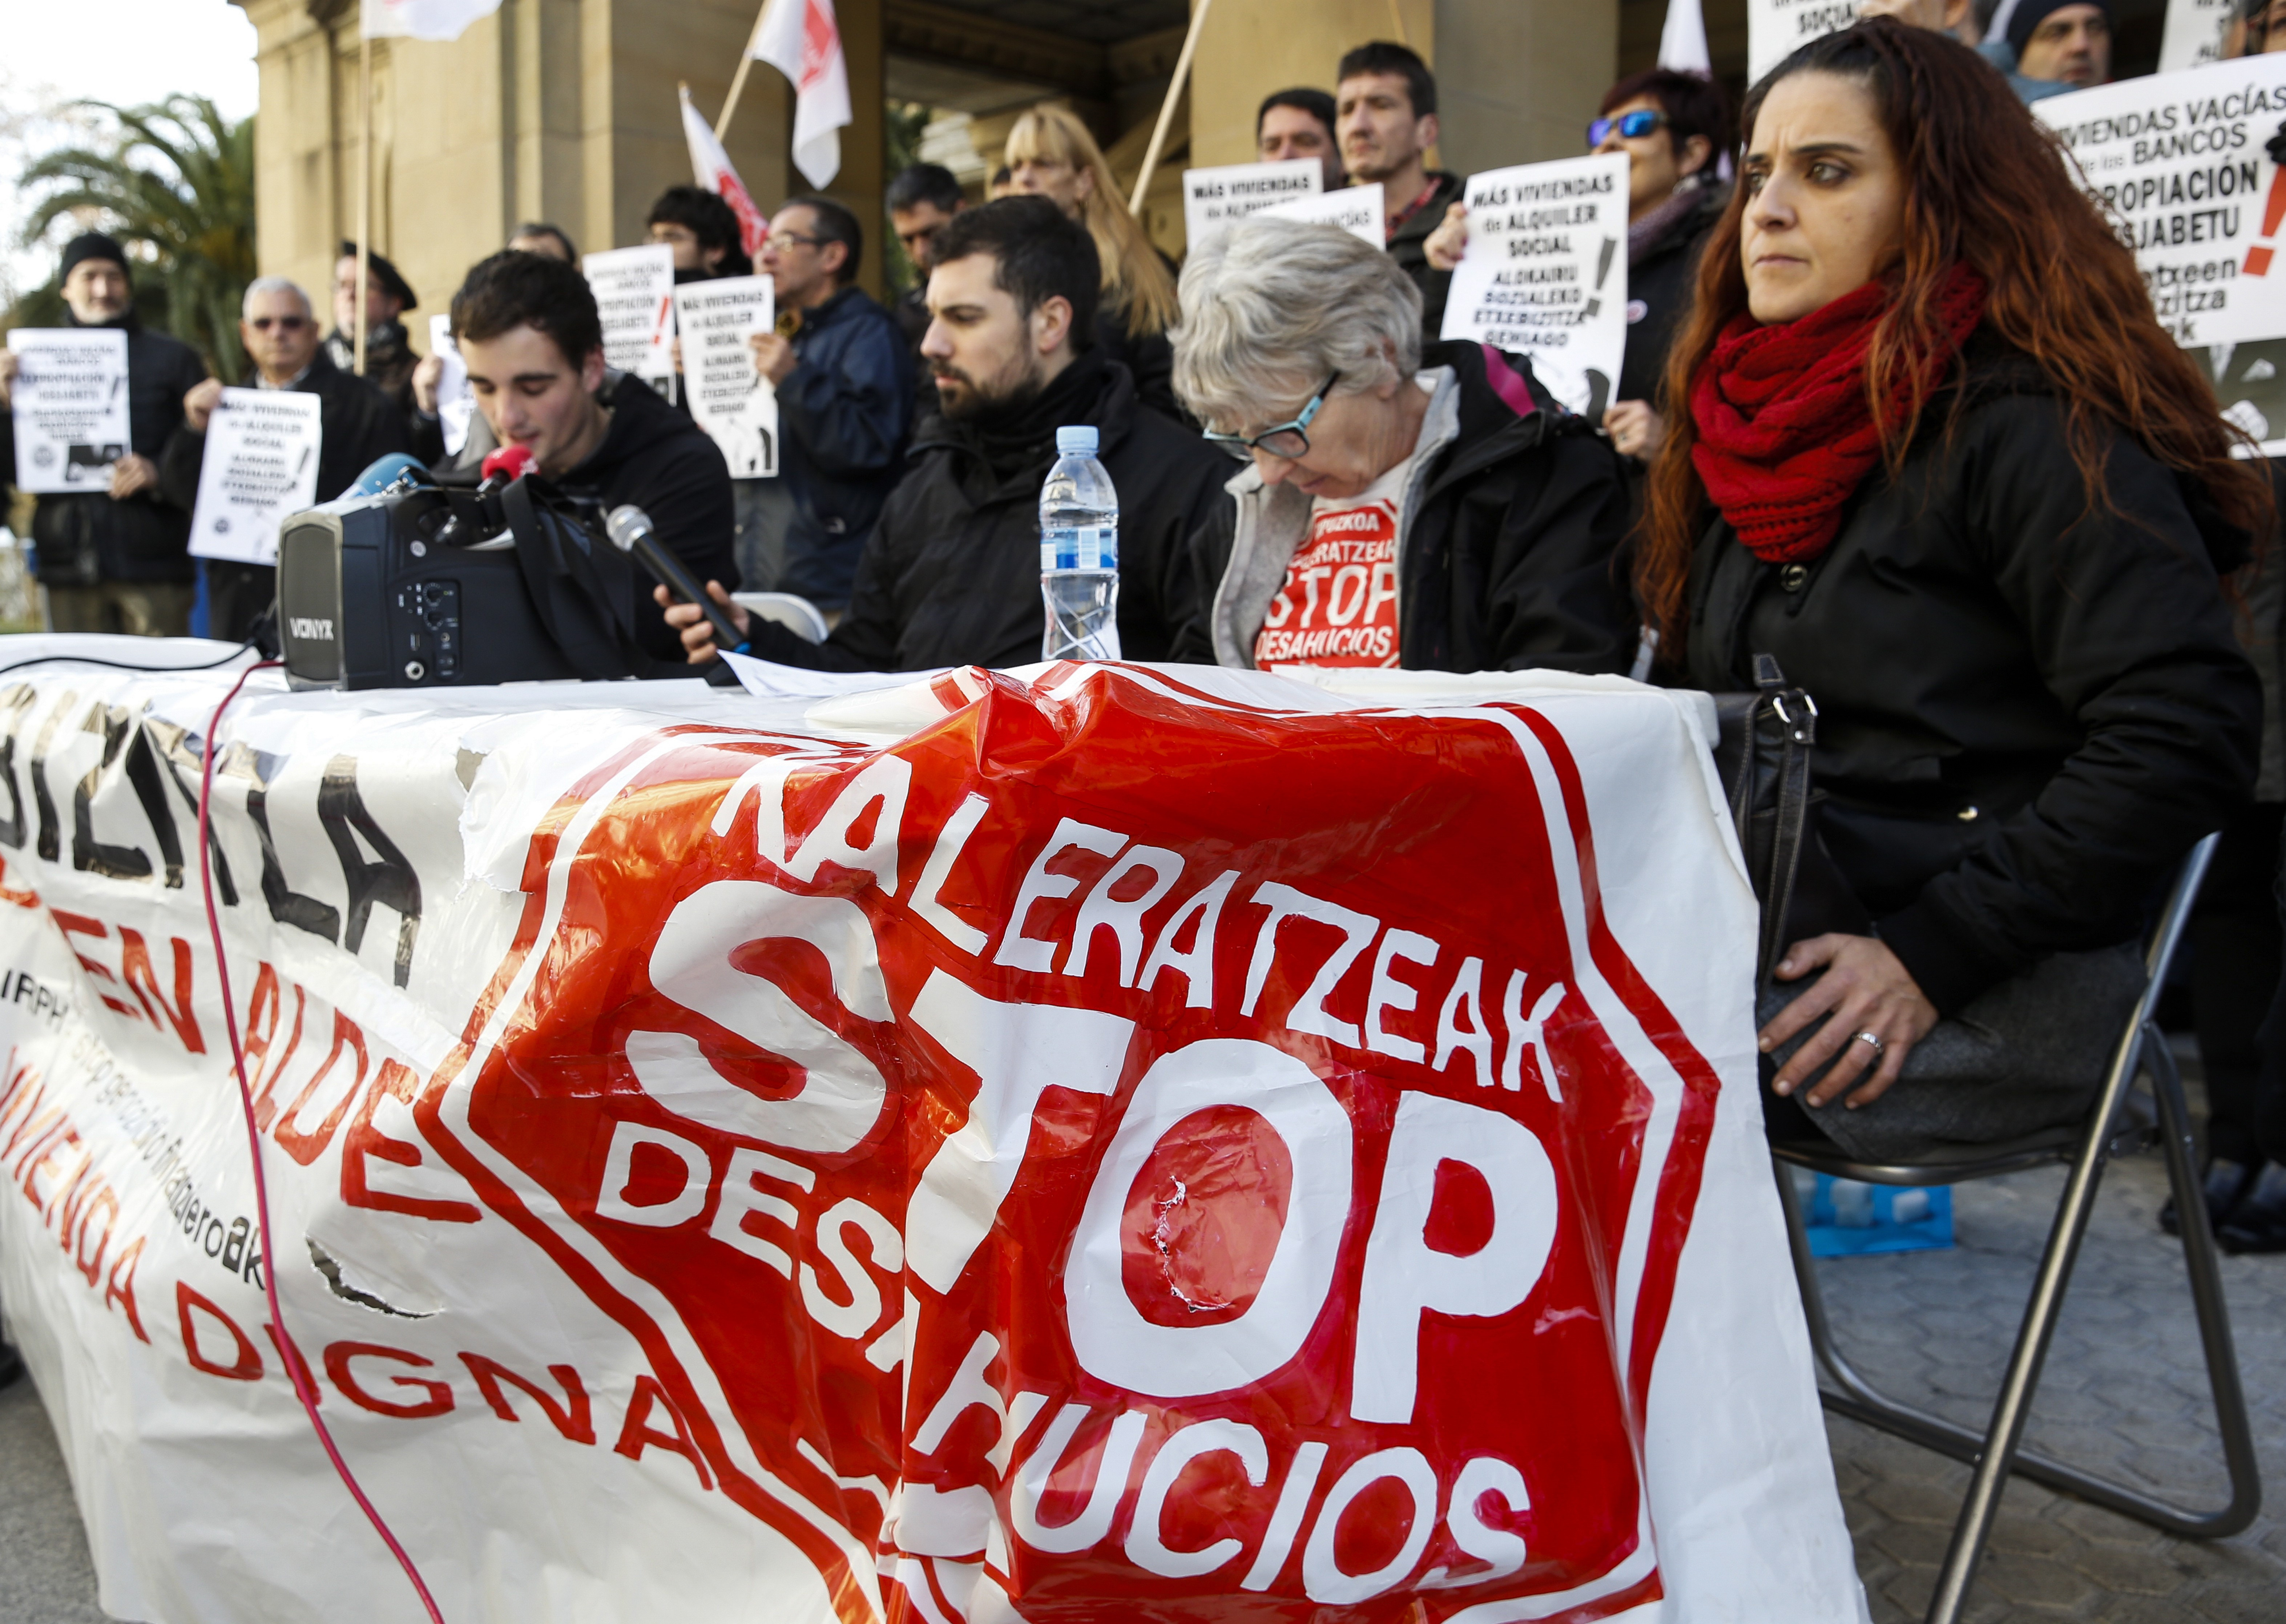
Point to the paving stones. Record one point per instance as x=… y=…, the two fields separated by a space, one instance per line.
x=2123 y=1392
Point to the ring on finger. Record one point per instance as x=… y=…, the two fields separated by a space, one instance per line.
x=1870 y=1037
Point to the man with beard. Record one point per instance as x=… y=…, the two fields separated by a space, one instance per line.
x=951 y=575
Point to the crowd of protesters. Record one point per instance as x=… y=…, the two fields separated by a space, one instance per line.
x=1922 y=440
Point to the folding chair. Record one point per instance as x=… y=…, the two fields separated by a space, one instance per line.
x=2106 y=1131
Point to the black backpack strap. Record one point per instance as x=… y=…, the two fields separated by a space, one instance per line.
x=579 y=585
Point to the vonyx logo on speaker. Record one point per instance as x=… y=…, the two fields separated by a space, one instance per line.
x=311 y=626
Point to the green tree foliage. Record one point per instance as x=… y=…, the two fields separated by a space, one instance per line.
x=176 y=179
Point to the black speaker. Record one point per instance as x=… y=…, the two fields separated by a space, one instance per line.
x=423 y=588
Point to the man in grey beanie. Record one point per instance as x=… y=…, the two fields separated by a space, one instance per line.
x=116 y=560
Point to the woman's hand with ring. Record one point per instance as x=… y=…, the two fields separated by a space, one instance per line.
x=1867 y=992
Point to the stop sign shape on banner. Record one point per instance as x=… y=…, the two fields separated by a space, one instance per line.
x=1117 y=1148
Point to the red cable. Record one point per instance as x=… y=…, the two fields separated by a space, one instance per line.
x=294 y=1370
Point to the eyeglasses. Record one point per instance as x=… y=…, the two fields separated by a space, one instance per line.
x=284 y=324
x=1632 y=126
x=1289 y=440
x=783 y=240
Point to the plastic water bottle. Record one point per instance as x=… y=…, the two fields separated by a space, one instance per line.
x=1079 y=552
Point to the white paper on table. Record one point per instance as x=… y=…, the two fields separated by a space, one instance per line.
x=1777 y=28
x=1356 y=210
x=260 y=469
x=1546 y=273
x=70 y=407
x=634 y=296
x=730 y=397
x=456 y=402
x=1215 y=198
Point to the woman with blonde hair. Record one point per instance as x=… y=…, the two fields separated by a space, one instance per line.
x=1051 y=153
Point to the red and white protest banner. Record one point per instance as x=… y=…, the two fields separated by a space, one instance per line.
x=1136 y=1141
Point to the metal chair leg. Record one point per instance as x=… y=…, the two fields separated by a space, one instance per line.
x=2201 y=1264
x=2014 y=1406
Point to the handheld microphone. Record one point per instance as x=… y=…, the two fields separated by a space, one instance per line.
x=508 y=464
x=629 y=529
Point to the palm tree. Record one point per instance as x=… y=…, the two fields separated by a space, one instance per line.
x=192 y=210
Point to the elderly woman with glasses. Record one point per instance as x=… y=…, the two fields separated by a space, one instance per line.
x=1432 y=507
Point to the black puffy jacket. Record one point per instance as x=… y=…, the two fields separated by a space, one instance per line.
x=2027 y=709
x=1505 y=538
x=84 y=539
x=951 y=576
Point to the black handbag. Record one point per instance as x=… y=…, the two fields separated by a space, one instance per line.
x=1761 y=753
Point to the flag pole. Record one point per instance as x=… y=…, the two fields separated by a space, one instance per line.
x=738 y=79
x=1167 y=109
x=1397 y=16
x=365 y=184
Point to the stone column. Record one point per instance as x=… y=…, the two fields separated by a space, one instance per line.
x=1516 y=80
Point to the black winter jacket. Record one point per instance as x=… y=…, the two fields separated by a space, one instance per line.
x=357 y=424
x=655 y=457
x=89 y=538
x=1408 y=246
x=1659 y=287
x=951 y=576
x=846 y=411
x=2027 y=711
x=1505 y=539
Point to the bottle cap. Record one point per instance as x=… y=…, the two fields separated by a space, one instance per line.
x=1076 y=437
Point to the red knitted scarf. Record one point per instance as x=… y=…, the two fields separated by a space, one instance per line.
x=1786 y=431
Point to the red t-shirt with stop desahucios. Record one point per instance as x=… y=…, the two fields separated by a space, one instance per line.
x=1338 y=606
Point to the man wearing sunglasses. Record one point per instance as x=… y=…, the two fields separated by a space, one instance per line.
x=115 y=559
x=357 y=423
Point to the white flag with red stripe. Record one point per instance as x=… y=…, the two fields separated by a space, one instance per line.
x=709 y=166
x=437 y=20
x=800 y=39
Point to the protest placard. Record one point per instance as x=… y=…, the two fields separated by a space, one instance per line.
x=261 y=469
x=2179 y=162
x=2194 y=34
x=1214 y=198
x=70 y=407
x=634 y=294
x=1777 y=28
x=729 y=398
x=456 y=403
x=1546 y=273
x=1356 y=210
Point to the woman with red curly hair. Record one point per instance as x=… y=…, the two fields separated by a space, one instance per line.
x=1940 y=459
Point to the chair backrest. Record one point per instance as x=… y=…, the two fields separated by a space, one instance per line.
x=797 y=614
x=2167 y=934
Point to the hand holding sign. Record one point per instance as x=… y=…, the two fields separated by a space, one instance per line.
x=260 y=468
x=68 y=395
x=731 y=396
x=1545 y=274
